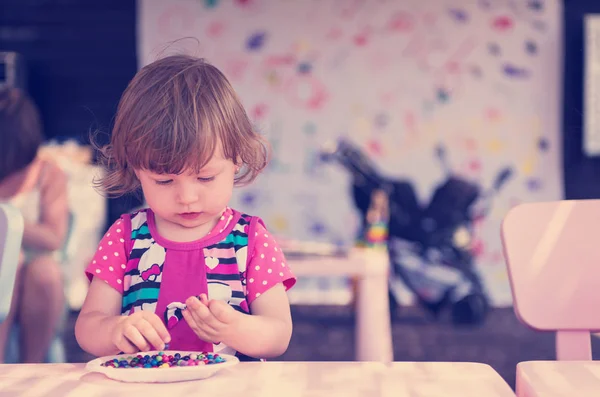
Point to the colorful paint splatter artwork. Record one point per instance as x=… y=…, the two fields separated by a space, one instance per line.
x=395 y=77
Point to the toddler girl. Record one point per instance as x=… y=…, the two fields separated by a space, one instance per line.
x=188 y=271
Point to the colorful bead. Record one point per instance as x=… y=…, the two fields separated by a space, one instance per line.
x=162 y=360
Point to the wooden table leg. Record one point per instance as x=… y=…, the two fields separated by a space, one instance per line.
x=373 y=326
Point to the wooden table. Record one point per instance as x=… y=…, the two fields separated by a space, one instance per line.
x=292 y=379
x=371 y=269
x=558 y=379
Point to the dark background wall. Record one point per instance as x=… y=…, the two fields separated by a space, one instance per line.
x=81 y=54
x=581 y=173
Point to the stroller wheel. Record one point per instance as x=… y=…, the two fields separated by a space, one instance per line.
x=470 y=310
x=435 y=308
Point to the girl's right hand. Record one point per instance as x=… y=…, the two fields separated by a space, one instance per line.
x=140 y=331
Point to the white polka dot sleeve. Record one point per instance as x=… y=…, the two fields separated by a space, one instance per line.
x=267 y=266
x=110 y=259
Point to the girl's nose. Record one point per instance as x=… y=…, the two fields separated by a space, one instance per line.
x=187 y=195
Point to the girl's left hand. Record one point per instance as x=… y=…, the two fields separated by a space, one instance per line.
x=211 y=320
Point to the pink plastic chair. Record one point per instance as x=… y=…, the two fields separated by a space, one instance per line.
x=552 y=253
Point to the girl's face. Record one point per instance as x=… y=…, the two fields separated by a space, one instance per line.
x=188 y=205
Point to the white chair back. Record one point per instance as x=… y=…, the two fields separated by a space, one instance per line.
x=11 y=234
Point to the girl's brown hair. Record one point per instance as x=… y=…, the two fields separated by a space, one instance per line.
x=20 y=131
x=171 y=118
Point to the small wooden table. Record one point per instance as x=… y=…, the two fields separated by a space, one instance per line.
x=313 y=379
x=370 y=266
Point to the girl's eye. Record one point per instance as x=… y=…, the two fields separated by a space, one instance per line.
x=165 y=182
x=208 y=179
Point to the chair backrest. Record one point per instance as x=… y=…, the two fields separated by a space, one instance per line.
x=11 y=234
x=552 y=252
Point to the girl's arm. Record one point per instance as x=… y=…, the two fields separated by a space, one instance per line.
x=100 y=329
x=50 y=232
x=102 y=306
x=98 y=317
x=266 y=333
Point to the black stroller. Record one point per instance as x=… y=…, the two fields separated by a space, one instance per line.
x=429 y=246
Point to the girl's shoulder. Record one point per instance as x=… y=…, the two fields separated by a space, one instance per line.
x=138 y=216
x=135 y=222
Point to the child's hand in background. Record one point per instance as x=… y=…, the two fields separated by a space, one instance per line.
x=140 y=331
x=212 y=321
